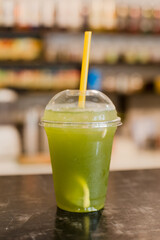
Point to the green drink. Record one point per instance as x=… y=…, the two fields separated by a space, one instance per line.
x=80 y=142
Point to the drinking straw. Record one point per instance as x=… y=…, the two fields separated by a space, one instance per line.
x=84 y=69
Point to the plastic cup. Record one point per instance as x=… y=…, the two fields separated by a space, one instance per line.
x=80 y=143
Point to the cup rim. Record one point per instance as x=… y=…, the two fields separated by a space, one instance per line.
x=113 y=123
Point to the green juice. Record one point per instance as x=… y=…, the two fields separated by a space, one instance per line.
x=80 y=158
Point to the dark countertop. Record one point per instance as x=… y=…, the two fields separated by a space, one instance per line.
x=132 y=211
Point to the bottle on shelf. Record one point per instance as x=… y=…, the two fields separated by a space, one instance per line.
x=7 y=13
x=156 y=17
x=94 y=79
x=31 y=132
x=34 y=15
x=108 y=17
x=146 y=24
x=122 y=15
x=20 y=49
x=47 y=13
x=22 y=13
x=68 y=16
x=123 y=83
x=134 y=16
x=95 y=14
x=157 y=84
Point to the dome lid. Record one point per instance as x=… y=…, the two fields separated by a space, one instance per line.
x=63 y=109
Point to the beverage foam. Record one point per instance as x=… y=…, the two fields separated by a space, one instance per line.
x=72 y=107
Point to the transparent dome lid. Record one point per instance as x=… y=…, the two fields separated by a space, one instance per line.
x=64 y=109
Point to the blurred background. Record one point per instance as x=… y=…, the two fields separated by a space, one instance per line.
x=41 y=44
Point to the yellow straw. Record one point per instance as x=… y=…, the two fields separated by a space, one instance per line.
x=84 y=69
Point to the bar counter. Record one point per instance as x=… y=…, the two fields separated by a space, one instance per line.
x=132 y=211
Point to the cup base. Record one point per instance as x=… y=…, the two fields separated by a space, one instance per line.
x=80 y=210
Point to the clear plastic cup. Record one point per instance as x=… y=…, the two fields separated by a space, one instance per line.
x=80 y=143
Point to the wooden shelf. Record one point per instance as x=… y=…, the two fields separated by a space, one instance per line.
x=38 y=158
x=59 y=64
x=40 y=31
x=37 y=64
